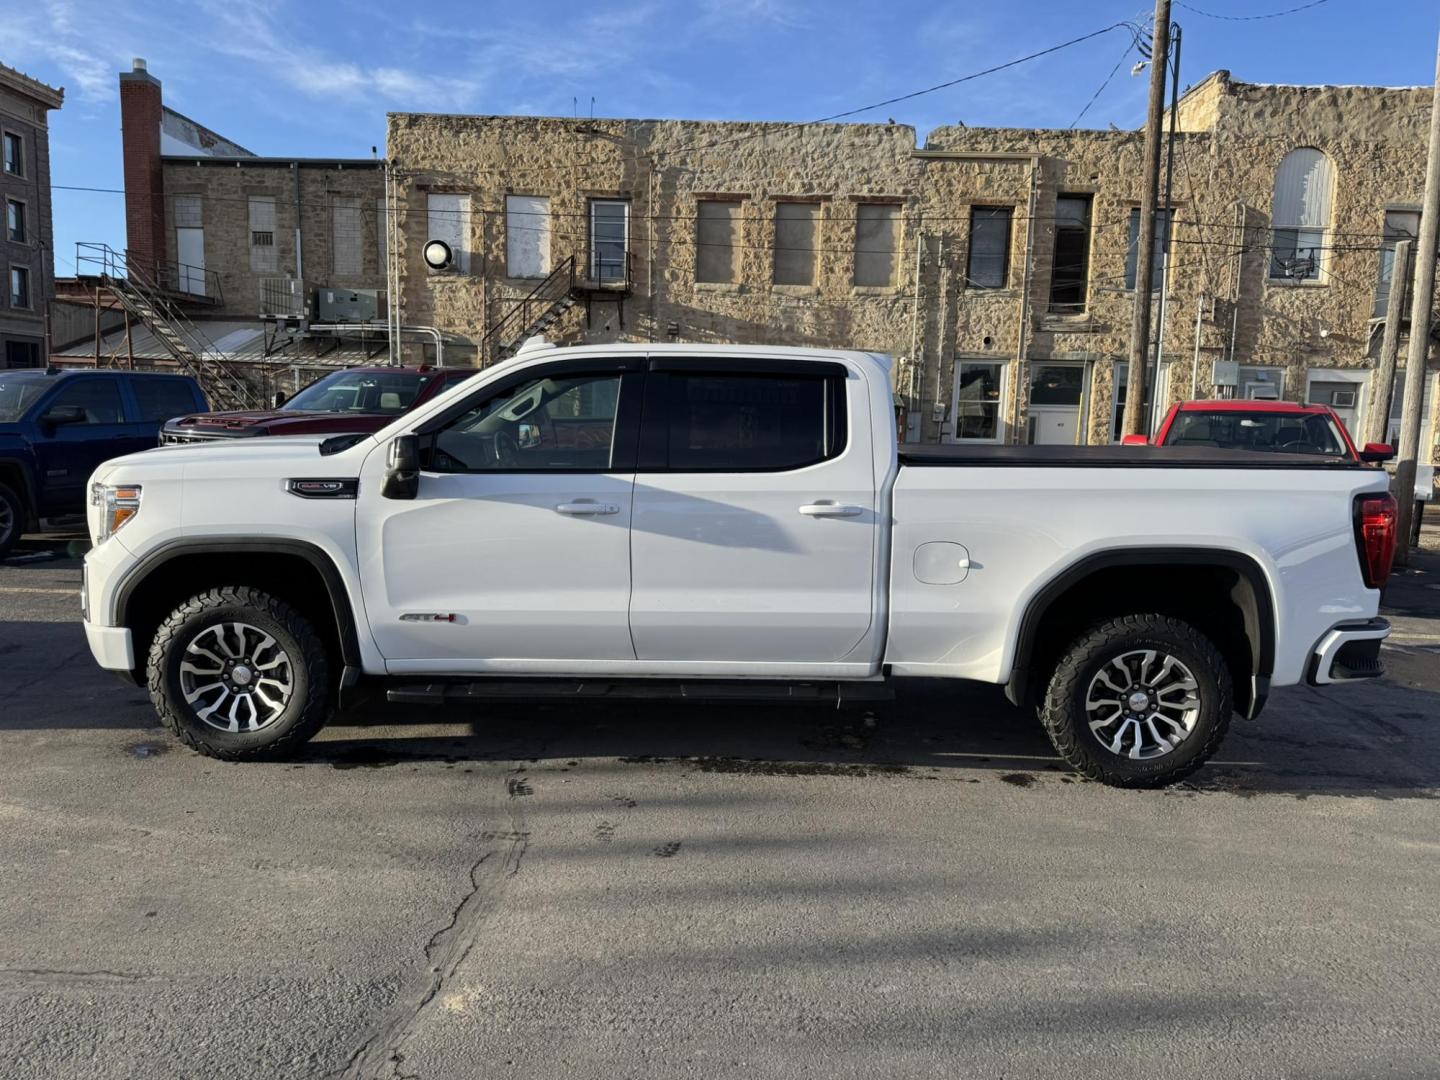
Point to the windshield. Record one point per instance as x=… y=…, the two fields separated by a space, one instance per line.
x=360 y=391
x=18 y=391
x=1283 y=433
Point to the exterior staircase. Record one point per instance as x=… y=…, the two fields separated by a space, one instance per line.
x=158 y=307
x=533 y=314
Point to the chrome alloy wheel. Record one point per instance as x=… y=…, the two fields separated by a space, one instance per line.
x=236 y=677
x=1142 y=704
x=8 y=523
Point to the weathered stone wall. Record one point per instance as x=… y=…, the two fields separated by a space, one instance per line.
x=226 y=187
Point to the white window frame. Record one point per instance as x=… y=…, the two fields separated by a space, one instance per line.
x=594 y=261
x=455 y=226
x=1159 y=393
x=1359 y=377
x=1006 y=366
x=1308 y=234
x=518 y=244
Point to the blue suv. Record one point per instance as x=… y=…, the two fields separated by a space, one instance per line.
x=57 y=426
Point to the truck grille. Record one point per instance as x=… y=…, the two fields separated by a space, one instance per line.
x=176 y=438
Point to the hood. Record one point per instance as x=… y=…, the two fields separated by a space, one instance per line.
x=296 y=448
x=274 y=422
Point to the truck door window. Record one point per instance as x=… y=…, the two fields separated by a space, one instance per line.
x=162 y=399
x=745 y=423
x=547 y=424
x=99 y=398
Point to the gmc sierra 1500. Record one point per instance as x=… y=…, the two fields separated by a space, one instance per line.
x=730 y=522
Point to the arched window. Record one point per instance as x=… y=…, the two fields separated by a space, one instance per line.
x=1300 y=214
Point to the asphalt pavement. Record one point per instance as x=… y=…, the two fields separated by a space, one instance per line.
x=679 y=891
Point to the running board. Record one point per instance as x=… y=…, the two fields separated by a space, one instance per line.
x=710 y=690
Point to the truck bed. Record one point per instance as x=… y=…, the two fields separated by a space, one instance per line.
x=1113 y=457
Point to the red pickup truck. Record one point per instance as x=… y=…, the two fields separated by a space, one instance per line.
x=349 y=400
x=1285 y=427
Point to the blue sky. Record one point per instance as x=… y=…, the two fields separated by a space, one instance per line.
x=316 y=77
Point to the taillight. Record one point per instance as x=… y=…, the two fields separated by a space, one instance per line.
x=1376 y=524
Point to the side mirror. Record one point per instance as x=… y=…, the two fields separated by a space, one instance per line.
x=280 y=398
x=402 y=468
x=62 y=415
x=1377 y=451
x=1135 y=440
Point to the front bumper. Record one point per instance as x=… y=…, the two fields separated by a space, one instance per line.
x=112 y=646
x=1349 y=652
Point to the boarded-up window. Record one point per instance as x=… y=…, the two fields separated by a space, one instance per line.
x=877 y=243
x=347 y=235
x=797 y=225
x=527 y=236
x=1300 y=213
x=448 y=219
x=189 y=212
x=717 y=225
x=1158 y=247
x=263 y=259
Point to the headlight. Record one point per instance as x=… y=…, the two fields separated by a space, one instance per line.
x=118 y=504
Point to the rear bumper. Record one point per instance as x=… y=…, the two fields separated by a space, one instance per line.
x=1348 y=652
x=112 y=646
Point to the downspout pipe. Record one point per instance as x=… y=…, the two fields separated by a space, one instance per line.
x=299 y=232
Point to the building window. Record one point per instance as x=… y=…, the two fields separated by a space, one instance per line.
x=1300 y=214
x=1070 y=275
x=1158 y=248
x=1056 y=391
x=22 y=354
x=448 y=219
x=609 y=241
x=15 y=228
x=1399 y=225
x=527 y=236
x=14 y=154
x=988 y=264
x=189 y=212
x=797 y=225
x=1122 y=394
x=717 y=227
x=1261 y=383
x=347 y=234
x=877 y=243
x=979 y=388
x=262 y=234
x=19 y=287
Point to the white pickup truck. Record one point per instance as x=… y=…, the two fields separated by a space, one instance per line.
x=727 y=522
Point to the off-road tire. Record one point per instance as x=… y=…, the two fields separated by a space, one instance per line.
x=1062 y=711
x=311 y=703
x=16 y=515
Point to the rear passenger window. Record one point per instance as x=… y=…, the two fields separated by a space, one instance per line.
x=98 y=399
x=740 y=423
x=162 y=399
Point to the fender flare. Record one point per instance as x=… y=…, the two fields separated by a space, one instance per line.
x=313 y=554
x=1259 y=615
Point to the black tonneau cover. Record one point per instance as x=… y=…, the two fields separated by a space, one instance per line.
x=1114 y=457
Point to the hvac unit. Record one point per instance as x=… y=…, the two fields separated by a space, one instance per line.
x=349 y=305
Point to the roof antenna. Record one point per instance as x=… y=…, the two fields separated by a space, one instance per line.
x=574 y=106
x=592 y=106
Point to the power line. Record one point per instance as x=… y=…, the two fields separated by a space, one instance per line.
x=1251 y=18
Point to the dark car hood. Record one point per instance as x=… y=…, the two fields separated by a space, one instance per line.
x=276 y=422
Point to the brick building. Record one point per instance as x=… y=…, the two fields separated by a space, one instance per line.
x=997 y=264
x=26 y=240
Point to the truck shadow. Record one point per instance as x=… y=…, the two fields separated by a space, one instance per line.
x=1337 y=743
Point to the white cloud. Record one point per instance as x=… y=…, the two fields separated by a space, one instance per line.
x=51 y=35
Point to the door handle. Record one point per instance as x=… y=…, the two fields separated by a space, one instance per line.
x=587 y=508
x=831 y=509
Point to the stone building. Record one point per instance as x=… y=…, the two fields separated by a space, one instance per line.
x=999 y=264
x=26 y=240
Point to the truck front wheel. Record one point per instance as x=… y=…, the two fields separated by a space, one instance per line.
x=12 y=519
x=238 y=674
x=1138 y=701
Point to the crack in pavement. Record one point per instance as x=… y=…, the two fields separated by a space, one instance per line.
x=381 y=1055
x=63 y=977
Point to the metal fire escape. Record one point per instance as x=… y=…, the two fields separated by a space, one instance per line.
x=154 y=295
x=565 y=286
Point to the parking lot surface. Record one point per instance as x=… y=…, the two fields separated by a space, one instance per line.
x=681 y=891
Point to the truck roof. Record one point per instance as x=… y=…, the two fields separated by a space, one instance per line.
x=1247 y=405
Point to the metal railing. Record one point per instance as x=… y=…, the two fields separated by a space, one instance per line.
x=607 y=269
x=515 y=325
x=183 y=281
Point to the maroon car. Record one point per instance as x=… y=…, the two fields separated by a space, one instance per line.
x=351 y=400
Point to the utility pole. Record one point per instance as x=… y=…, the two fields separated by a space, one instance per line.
x=1419 y=331
x=1166 y=214
x=1378 y=418
x=1145 y=243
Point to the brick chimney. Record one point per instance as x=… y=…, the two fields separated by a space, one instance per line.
x=140 y=115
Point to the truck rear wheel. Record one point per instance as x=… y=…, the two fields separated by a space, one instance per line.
x=1138 y=701
x=238 y=674
x=12 y=519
